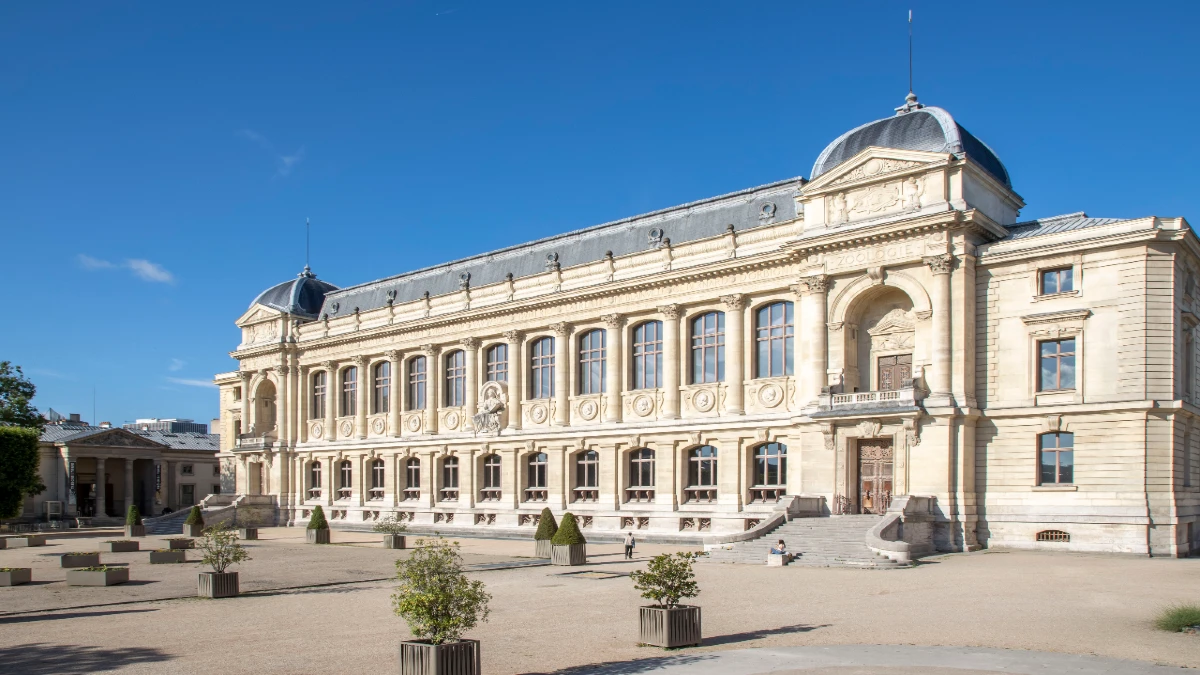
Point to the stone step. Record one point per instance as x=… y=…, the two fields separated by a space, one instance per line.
x=837 y=541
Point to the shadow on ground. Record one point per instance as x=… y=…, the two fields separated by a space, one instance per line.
x=54 y=616
x=758 y=634
x=47 y=659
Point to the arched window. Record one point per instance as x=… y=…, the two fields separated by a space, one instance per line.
x=412 y=479
x=416 y=383
x=541 y=363
x=497 y=363
x=770 y=473
x=535 y=489
x=774 y=326
x=647 y=355
x=381 y=402
x=456 y=378
x=708 y=348
x=491 y=479
x=587 y=476
x=346 y=479
x=350 y=391
x=591 y=362
x=319 y=379
x=314 y=480
x=450 y=479
x=641 y=476
x=1057 y=461
x=377 y=477
x=702 y=474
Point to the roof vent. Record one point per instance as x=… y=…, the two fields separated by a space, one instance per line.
x=655 y=236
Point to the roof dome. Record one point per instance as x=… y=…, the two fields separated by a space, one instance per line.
x=301 y=296
x=914 y=127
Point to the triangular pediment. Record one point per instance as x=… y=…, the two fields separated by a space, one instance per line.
x=114 y=438
x=258 y=314
x=871 y=164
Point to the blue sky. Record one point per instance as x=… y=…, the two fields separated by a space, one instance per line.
x=159 y=159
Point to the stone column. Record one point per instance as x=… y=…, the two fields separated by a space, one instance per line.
x=361 y=482
x=940 y=265
x=471 y=400
x=813 y=349
x=285 y=407
x=562 y=373
x=362 y=403
x=394 y=368
x=246 y=421
x=735 y=353
x=671 y=360
x=516 y=379
x=128 y=483
x=331 y=396
x=304 y=400
x=99 y=487
x=433 y=376
x=467 y=489
x=614 y=365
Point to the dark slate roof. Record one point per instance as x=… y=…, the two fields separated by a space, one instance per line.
x=53 y=433
x=67 y=433
x=1063 y=223
x=926 y=128
x=301 y=296
x=743 y=210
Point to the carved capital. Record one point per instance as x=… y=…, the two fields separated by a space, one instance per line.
x=671 y=311
x=281 y=371
x=245 y=375
x=360 y=361
x=561 y=329
x=735 y=301
x=431 y=350
x=392 y=355
x=470 y=343
x=613 y=320
x=514 y=336
x=817 y=283
x=328 y=365
x=939 y=264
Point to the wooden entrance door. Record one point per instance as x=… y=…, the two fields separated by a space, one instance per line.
x=894 y=370
x=874 y=475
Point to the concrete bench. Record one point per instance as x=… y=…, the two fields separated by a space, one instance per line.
x=778 y=559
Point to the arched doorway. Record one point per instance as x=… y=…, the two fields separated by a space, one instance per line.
x=884 y=341
x=264 y=409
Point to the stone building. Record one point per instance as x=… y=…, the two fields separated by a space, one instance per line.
x=886 y=327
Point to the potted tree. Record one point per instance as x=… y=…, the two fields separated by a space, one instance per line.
x=568 y=545
x=133 y=523
x=393 y=530
x=545 y=532
x=667 y=580
x=220 y=549
x=318 y=527
x=439 y=603
x=194 y=525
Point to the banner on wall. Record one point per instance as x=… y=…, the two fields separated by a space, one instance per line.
x=70 y=482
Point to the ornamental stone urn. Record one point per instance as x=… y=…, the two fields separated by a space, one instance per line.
x=317 y=536
x=135 y=531
x=119 y=546
x=82 y=559
x=248 y=533
x=670 y=627
x=15 y=576
x=451 y=658
x=218 y=584
x=572 y=554
x=107 y=576
x=167 y=556
x=395 y=541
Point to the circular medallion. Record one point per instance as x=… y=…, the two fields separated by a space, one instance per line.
x=317 y=431
x=347 y=428
x=378 y=425
x=451 y=420
x=703 y=400
x=588 y=410
x=538 y=413
x=770 y=395
x=414 y=423
x=643 y=406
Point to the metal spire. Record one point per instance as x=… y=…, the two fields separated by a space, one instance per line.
x=910 y=101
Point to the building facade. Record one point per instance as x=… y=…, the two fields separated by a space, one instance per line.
x=173 y=426
x=886 y=327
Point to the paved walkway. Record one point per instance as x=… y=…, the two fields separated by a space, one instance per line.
x=876 y=660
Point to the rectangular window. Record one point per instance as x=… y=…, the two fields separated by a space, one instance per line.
x=416 y=383
x=1058 y=280
x=648 y=355
x=216 y=489
x=187 y=470
x=187 y=495
x=1057 y=461
x=497 y=363
x=1056 y=367
x=318 y=395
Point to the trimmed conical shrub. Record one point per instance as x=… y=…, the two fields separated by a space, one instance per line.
x=546 y=525
x=568 y=533
x=133 y=517
x=318 y=522
x=194 y=517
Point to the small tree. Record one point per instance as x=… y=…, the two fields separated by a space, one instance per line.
x=435 y=597
x=318 y=522
x=568 y=533
x=18 y=469
x=668 y=579
x=133 y=516
x=390 y=525
x=16 y=392
x=221 y=549
x=546 y=525
x=195 y=517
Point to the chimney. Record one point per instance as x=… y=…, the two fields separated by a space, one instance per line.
x=74 y=418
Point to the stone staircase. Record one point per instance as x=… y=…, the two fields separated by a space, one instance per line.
x=835 y=541
x=170 y=524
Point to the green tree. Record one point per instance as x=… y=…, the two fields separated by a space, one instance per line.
x=318 y=522
x=133 y=516
x=435 y=596
x=195 y=517
x=568 y=533
x=16 y=392
x=546 y=525
x=221 y=549
x=668 y=579
x=18 y=469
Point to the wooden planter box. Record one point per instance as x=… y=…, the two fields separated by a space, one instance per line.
x=248 y=533
x=675 y=627
x=393 y=541
x=119 y=546
x=181 y=543
x=193 y=530
x=135 y=530
x=175 y=556
x=542 y=548
x=317 y=536
x=16 y=576
x=108 y=577
x=214 y=585
x=68 y=560
x=575 y=554
x=453 y=658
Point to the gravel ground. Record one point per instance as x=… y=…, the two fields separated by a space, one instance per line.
x=543 y=621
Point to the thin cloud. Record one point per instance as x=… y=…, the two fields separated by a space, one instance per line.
x=46 y=372
x=289 y=162
x=176 y=365
x=192 y=383
x=87 y=262
x=284 y=163
x=140 y=268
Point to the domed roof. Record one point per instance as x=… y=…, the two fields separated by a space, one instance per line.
x=914 y=127
x=301 y=296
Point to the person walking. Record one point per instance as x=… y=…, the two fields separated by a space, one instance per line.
x=629 y=542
